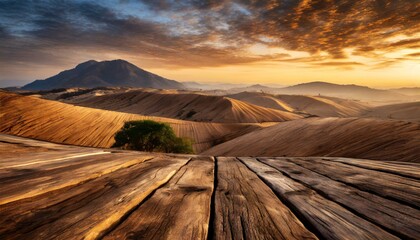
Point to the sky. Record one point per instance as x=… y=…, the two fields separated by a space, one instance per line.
x=372 y=42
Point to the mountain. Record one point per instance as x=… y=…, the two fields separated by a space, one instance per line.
x=343 y=91
x=115 y=73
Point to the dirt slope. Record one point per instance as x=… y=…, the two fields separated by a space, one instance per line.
x=403 y=111
x=187 y=106
x=264 y=100
x=314 y=105
x=64 y=123
x=344 y=137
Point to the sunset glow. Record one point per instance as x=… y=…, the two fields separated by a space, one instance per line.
x=372 y=43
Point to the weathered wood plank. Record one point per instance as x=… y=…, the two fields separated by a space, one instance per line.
x=88 y=210
x=48 y=163
x=399 y=219
x=46 y=159
x=22 y=172
x=37 y=181
x=401 y=189
x=178 y=210
x=19 y=151
x=246 y=208
x=407 y=169
x=330 y=219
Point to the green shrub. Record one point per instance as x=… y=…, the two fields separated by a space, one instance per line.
x=151 y=136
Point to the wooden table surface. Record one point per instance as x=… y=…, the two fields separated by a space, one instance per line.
x=52 y=191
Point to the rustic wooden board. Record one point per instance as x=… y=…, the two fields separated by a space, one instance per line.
x=406 y=169
x=178 y=210
x=36 y=168
x=399 y=219
x=394 y=187
x=87 y=210
x=37 y=181
x=52 y=191
x=246 y=208
x=331 y=220
x=19 y=151
x=32 y=160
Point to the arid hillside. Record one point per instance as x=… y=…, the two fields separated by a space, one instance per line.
x=403 y=111
x=262 y=99
x=313 y=105
x=187 y=106
x=343 y=137
x=64 y=123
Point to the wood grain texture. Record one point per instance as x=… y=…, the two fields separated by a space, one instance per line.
x=36 y=182
x=399 y=219
x=87 y=210
x=406 y=169
x=178 y=210
x=59 y=192
x=405 y=190
x=246 y=208
x=331 y=220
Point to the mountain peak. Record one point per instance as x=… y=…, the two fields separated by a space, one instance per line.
x=86 y=64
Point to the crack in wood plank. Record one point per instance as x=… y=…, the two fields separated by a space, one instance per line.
x=240 y=194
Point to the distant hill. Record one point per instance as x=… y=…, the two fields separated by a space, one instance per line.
x=401 y=111
x=343 y=91
x=115 y=73
x=414 y=91
x=211 y=86
x=314 y=105
x=251 y=88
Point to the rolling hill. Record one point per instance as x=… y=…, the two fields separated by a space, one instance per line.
x=402 y=111
x=262 y=99
x=116 y=73
x=343 y=137
x=413 y=91
x=188 y=106
x=343 y=91
x=312 y=105
x=58 y=122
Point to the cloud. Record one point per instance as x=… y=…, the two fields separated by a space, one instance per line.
x=202 y=33
x=338 y=64
x=417 y=54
